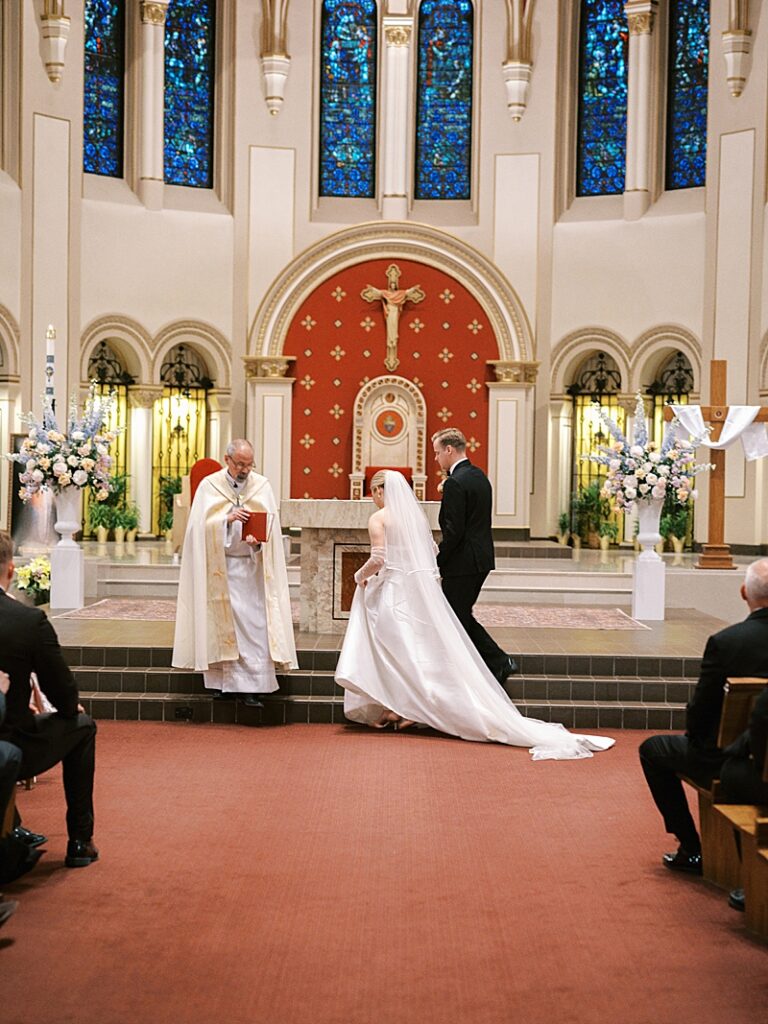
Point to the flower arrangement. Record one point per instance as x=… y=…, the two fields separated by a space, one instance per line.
x=79 y=458
x=640 y=469
x=34 y=579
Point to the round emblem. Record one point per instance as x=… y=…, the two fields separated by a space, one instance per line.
x=390 y=424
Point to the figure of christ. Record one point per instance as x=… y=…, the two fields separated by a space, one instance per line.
x=392 y=299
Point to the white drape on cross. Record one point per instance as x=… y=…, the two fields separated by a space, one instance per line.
x=739 y=425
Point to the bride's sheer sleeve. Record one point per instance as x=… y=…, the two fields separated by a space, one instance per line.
x=372 y=566
x=378 y=550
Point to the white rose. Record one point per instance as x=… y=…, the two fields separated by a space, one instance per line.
x=73 y=460
x=630 y=480
x=77 y=435
x=80 y=477
x=630 y=493
x=614 y=465
x=652 y=478
x=38 y=476
x=59 y=468
x=636 y=451
x=653 y=456
x=31 y=464
x=658 y=490
x=84 y=449
x=663 y=470
x=644 y=489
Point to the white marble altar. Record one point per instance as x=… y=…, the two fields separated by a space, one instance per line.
x=329 y=530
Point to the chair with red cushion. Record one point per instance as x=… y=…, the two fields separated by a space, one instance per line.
x=201 y=469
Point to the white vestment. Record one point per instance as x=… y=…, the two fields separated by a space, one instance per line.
x=233 y=617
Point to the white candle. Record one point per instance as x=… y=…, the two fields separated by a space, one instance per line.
x=50 y=357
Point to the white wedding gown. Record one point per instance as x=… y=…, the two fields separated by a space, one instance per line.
x=405 y=651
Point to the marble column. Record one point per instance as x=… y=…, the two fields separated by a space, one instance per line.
x=268 y=418
x=637 y=186
x=398 y=32
x=152 y=103
x=561 y=456
x=510 y=442
x=9 y=393
x=141 y=401
x=219 y=423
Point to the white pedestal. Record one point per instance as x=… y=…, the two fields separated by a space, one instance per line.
x=67 y=577
x=648 y=583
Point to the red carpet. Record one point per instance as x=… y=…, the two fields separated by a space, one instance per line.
x=323 y=875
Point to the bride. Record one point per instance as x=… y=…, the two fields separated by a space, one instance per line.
x=406 y=658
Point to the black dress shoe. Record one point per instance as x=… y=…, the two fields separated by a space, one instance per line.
x=7 y=909
x=683 y=861
x=736 y=900
x=80 y=853
x=30 y=838
x=220 y=695
x=11 y=872
x=252 y=701
x=509 y=668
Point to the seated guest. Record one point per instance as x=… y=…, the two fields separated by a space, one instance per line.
x=29 y=644
x=16 y=856
x=740 y=650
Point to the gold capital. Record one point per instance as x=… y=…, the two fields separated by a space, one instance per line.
x=514 y=371
x=398 y=35
x=267 y=366
x=640 y=24
x=153 y=13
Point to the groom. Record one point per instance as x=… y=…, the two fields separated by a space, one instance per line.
x=466 y=551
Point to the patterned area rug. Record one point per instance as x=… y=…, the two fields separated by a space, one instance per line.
x=150 y=609
x=516 y=616
x=534 y=616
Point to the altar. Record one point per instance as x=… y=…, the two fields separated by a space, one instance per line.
x=334 y=544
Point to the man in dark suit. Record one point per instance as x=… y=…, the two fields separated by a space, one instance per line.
x=16 y=856
x=29 y=644
x=466 y=551
x=740 y=650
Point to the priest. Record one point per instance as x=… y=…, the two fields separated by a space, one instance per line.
x=233 y=617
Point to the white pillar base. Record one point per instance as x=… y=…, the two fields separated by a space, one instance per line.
x=67 y=577
x=648 y=586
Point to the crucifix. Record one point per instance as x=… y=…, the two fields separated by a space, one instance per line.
x=392 y=300
x=716 y=554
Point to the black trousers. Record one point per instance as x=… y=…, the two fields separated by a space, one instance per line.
x=73 y=742
x=10 y=761
x=662 y=757
x=462 y=592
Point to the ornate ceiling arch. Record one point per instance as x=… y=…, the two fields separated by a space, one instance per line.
x=206 y=339
x=418 y=242
x=651 y=349
x=132 y=342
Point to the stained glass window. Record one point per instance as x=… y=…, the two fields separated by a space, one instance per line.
x=103 y=87
x=189 y=70
x=444 y=100
x=602 y=131
x=348 y=99
x=687 y=95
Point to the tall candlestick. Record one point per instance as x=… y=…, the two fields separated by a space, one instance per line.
x=50 y=359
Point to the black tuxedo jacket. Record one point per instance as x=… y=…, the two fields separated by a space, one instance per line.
x=740 y=650
x=28 y=644
x=465 y=521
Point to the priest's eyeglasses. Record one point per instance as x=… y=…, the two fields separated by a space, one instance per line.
x=240 y=465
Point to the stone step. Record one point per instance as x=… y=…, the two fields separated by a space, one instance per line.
x=563 y=665
x=305 y=684
x=283 y=709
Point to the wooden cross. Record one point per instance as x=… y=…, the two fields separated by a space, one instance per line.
x=392 y=300
x=716 y=554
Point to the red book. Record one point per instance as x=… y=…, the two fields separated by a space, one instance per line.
x=258 y=525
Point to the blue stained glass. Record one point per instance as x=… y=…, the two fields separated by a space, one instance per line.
x=348 y=99
x=444 y=100
x=602 y=131
x=189 y=71
x=103 y=87
x=687 y=96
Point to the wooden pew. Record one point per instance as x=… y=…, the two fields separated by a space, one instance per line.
x=719 y=852
x=751 y=825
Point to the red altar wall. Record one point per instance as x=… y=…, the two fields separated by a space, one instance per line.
x=339 y=341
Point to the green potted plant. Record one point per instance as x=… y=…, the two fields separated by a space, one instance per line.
x=131 y=518
x=100 y=519
x=608 y=532
x=169 y=487
x=673 y=526
x=563 y=528
x=589 y=508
